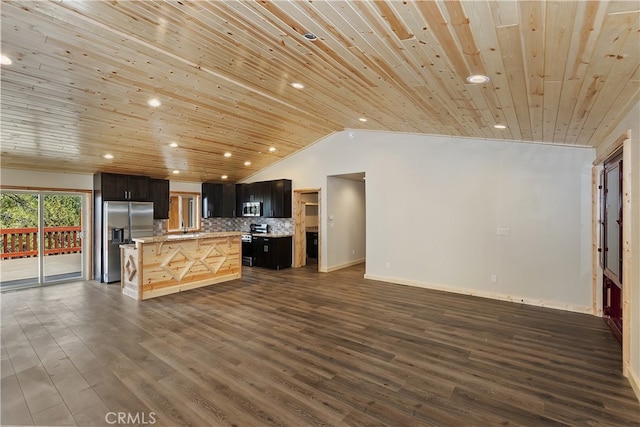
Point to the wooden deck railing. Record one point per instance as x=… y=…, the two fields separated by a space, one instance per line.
x=23 y=242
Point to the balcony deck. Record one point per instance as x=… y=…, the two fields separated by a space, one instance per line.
x=19 y=272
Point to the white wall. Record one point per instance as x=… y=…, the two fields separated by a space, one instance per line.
x=433 y=206
x=48 y=180
x=185 y=187
x=346 y=229
x=632 y=122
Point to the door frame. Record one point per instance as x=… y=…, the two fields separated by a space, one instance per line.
x=299 y=228
x=624 y=143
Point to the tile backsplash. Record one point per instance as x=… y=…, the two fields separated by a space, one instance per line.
x=276 y=225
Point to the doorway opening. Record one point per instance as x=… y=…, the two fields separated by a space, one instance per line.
x=306 y=241
x=42 y=235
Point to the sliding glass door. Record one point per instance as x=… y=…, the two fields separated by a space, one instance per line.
x=42 y=238
x=19 y=262
x=63 y=237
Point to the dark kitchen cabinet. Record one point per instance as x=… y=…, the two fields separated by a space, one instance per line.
x=159 y=195
x=263 y=194
x=256 y=191
x=118 y=187
x=275 y=197
x=280 y=195
x=240 y=198
x=218 y=200
x=272 y=252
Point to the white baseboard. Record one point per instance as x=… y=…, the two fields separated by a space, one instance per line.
x=484 y=294
x=634 y=380
x=345 y=265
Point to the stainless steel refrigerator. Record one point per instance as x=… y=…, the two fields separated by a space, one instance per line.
x=122 y=222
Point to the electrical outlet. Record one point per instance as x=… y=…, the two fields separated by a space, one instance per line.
x=494 y=278
x=388 y=265
x=353 y=252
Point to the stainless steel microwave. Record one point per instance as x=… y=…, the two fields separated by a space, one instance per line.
x=252 y=209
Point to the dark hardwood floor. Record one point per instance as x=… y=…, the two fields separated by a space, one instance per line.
x=296 y=347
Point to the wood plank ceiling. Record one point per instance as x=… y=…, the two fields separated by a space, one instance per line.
x=83 y=71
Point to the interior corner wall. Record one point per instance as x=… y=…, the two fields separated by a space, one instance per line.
x=435 y=206
x=632 y=123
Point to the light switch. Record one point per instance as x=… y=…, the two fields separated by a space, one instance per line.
x=503 y=231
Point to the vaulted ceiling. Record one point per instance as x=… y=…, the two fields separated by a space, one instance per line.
x=82 y=74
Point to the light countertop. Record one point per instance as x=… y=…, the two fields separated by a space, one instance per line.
x=273 y=235
x=187 y=236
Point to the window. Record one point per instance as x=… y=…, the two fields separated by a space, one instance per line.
x=184 y=212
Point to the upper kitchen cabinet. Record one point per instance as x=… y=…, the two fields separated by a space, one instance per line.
x=275 y=197
x=280 y=195
x=240 y=198
x=159 y=195
x=218 y=200
x=122 y=187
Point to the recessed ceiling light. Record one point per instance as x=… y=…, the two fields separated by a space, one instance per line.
x=173 y=144
x=362 y=119
x=272 y=149
x=247 y=163
x=176 y=172
x=5 y=60
x=310 y=36
x=224 y=177
x=227 y=154
x=108 y=156
x=297 y=85
x=499 y=126
x=154 y=102
x=478 y=78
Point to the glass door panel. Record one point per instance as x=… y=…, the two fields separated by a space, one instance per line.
x=62 y=237
x=612 y=224
x=19 y=260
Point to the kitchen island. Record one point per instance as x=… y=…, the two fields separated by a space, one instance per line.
x=162 y=265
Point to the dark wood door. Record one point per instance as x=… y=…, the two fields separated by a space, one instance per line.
x=611 y=241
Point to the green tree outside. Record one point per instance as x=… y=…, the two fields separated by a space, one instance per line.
x=20 y=210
